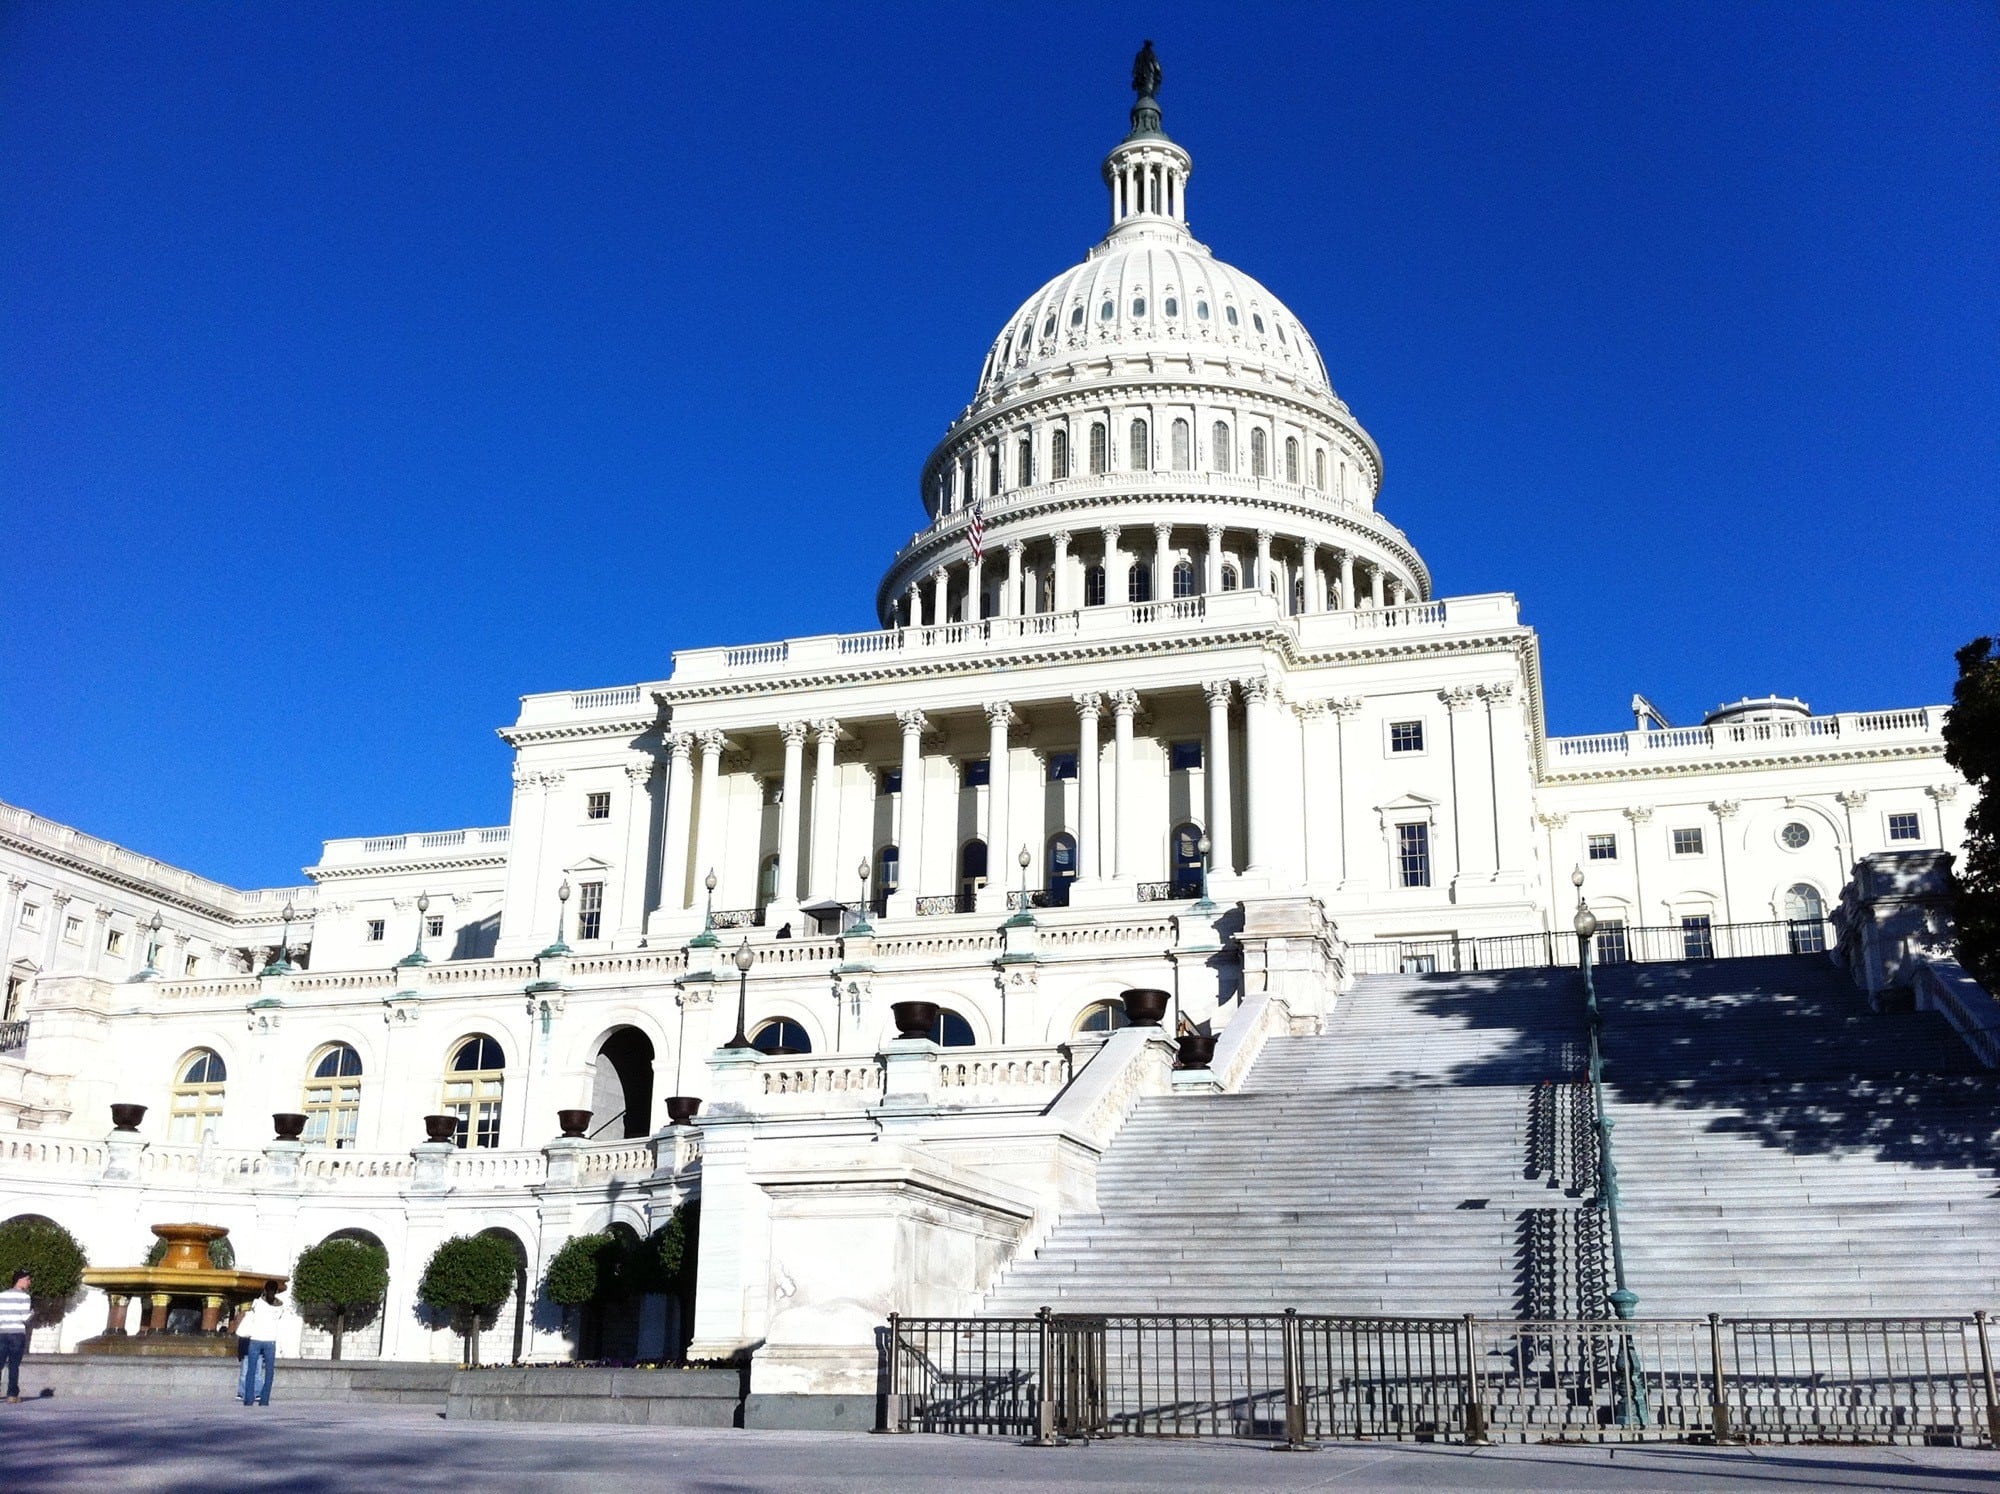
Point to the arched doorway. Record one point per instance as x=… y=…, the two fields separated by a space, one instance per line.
x=971 y=873
x=1061 y=868
x=621 y=1093
x=1187 y=860
x=1805 y=919
x=502 y=1341
x=366 y=1328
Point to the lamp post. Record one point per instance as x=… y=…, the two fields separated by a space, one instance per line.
x=743 y=960
x=562 y=918
x=1205 y=846
x=860 y=925
x=417 y=956
x=152 y=926
x=1026 y=861
x=706 y=938
x=279 y=964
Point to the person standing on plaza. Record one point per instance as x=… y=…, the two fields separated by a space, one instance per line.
x=16 y=1308
x=258 y=1324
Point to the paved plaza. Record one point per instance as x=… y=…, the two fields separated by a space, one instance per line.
x=174 y=1446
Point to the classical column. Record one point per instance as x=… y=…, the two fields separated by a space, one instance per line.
x=786 y=892
x=1221 y=830
x=102 y=916
x=9 y=915
x=1343 y=710
x=999 y=845
x=820 y=871
x=674 y=878
x=1117 y=586
x=1059 y=578
x=1397 y=593
x=1724 y=811
x=1088 y=863
x=909 y=833
x=1010 y=604
x=1124 y=705
x=52 y=937
x=913 y=605
x=1309 y=567
x=1375 y=579
x=632 y=870
x=940 y=582
x=1638 y=816
x=1264 y=560
x=1259 y=695
x=1211 y=580
x=708 y=828
x=1347 y=597
x=1163 y=583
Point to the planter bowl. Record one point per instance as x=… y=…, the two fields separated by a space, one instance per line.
x=1145 y=1008
x=127 y=1117
x=682 y=1108
x=440 y=1128
x=914 y=1019
x=287 y=1126
x=1197 y=1050
x=574 y=1123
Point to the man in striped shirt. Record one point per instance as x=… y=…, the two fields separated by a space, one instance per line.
x=16 y=1307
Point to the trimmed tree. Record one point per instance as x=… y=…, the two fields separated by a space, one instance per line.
x=468 y=1276
x=338 y=1277
x=51 y=1255
x=1972 y=745
x=582 y=1276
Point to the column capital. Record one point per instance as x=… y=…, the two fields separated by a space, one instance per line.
x=1312 y=710
x=914 y=723
x=1345 y=706
x=1257 y=690
x=102 y=915
x=1724 y=809
x=712 y=743
x=552 y=781
x=1458 y=697
x=941 y=574
x=1264 y=537
x=1124 y=702
x=1638 y=814
x=1061 y=537
x=60 y=900
x=1111 y=532
x=677 y=743
x=1552 y=821
x=826 y=729
x=1015 y=548
x=17 y=885
x=1000 y=713
x=1941 y=793
x=1851 y=798
x=1089 y=704
x=1497 y=693
x=638 y=769
x=1218 y=692
x=794 y=732
x=1214 y=533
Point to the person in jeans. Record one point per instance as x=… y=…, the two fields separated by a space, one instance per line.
x=258 y=1324
x=16 y=1306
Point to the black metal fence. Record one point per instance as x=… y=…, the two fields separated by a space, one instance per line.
x=1293 y=1377
x=1694 y=938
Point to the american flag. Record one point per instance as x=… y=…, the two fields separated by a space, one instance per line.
x=978 y=531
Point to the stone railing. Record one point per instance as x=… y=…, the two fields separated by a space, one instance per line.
x=616 y=1159
x=235 y=988
x=843 y=1082
x=629 y=963
x=1001 y=1074
x=1945 y=986
x=205 y=1165
x=470 y=972
x=1787 y=734
x=1157 y=931
x=322 y=1168
x=484 y=842
x=22 y=1153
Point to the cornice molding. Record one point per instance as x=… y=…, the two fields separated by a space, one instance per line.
x=1707 y=767
x=579 y=731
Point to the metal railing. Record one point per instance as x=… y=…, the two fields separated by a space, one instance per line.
x=736 y=918
x=13 y=1036
x=946 y=903
x=1293 y=1377
x=1617 y=944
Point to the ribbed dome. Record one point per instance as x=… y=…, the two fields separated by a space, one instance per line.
x=1150 y=288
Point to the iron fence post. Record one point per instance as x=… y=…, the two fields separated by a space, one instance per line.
x=1986 y=1372
x=1475 y=1413
x=892 y=1403
x=1046 y=1422
x=1295 y=1406
x=1719 y=1403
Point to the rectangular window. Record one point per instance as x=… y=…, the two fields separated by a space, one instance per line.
x=1687 y=842
x=1698 y=937
x=374 y=931
x=1406 y=736
x=992 y=470
x=1905 y=827
x=31 y=915
x=73 y=930
x=434 y=926
x=113 y=941
x=589 y=910
x=1413 y=855
x=1601 y=847
x=1611 y=946
x=1062 y=766
x=976 y=772
x=1183 y=755
x=193 y=965
x=597 y=806
x=889 y=781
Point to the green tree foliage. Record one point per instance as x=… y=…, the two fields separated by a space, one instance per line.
x=52 y=1254
x=657 y=1260
x=338 y=1278
x=585 y=1270
x=468 y=1275
x=1972 y=745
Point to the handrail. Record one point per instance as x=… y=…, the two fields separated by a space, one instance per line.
x=1617 y=943
x=1623 y=1299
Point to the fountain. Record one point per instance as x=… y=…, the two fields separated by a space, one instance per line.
x=188 y=1299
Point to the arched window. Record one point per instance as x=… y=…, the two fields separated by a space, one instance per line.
x=1183 y=446
x=1139 y=582
x=1805 y=912
x=1024 y=465
x=1171 y=306
x=1187 y=860
x=1100 y=443
x=332 y=1102
x=1230 y=580
x=1058 y=454
x=197 y=1102
x=1229 y=315
x=1291 y=459
x=767 y=883
x=1298 y=593
x=1260 y=460
x=1139 y=452
x=971 y=873
x=1076 y=315
x=473 y=1080
x=1093 y=586
x=1108 y=310
x=1319 y=470
x=1102 y=1016
x=1220 y=453
x=1061 y=867
x=1048 y=326
x=781 y=1036
x=1184 y=579
x=1201 y=310
x=1138 y=303
x=951 y=1030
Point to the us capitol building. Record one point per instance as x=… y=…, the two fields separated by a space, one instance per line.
x=1160 y=698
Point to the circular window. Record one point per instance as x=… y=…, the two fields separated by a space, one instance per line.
x=1795 y=836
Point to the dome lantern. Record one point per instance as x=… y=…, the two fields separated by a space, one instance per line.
x=1147 y=173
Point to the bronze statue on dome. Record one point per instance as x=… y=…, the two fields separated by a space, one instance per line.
x=1146 y=72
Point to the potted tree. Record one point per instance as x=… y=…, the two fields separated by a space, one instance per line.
x=467 y=1277
x=338 y=1278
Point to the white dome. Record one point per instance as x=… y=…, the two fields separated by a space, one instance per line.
x=1165 y=294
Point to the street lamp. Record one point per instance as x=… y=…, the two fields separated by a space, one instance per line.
x=860 y=925
x=417 y=956
x=1026 y=861
x=562 y=919
x=151 y=972
x=743 y=960
x=706 y=938
x=1206 y=847
x=279 y=964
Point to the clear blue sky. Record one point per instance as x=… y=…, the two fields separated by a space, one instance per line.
x=363 y=367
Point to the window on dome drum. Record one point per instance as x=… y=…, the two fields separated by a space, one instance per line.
x=1257 y=321
x=1139 y=450
x=1076 y=315
x=1291 y=459
x=1229 y=315
x=473 y=1083
x=589 y=910
x=597 y=806
x=1609 y=947
x=1280 y=328
x=1601 y=847
x=1260 y=459
x=1171 y=306
x=1687 y=842
x=1138 y=306
x=1139 y=582
x=1183 y=442
x=1025 y=463
x=782 y=1036
x=1182 y=756
x=1319 y=470
x=888 y=870
x=1413 y=855
x=1093 y=586
x=1298 y=594
x=197 y=1098
x=1062 y=766
x=1220 y=446
x=1100 y=448
x=1697 y=937
x=1101 y=1016
x=1184 y=578
x=332 y=1102
x=1058 y=454
x=976 y=772
x=1049 y=325
x=1904 y=827
x=992 y=470
x=1061 y=852
x=1406 y=736
x=1187 y=860
x=375 y=930
x=1805 y=913
x=1230 y=581
x=888 y=780
x=1108 y=310
x=1201 y=310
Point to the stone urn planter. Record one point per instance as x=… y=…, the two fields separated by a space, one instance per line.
x=127 y=1117
x=1145 y=1008
x=1197 y=1050
x=682 y=1108
x=440 y=1128
x=287 y=1126
x=575 y=1123
x=914 y=1019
